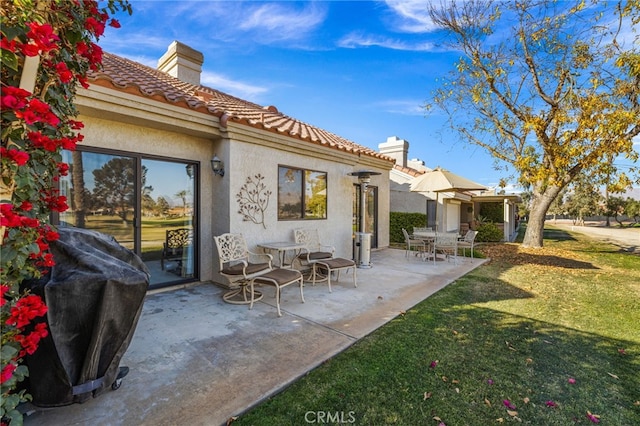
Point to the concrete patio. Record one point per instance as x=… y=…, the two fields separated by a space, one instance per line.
x=195 y=360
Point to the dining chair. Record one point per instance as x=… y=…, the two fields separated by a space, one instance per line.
x=413 y=242
x=239 y=265
x=447 y=244
x=467 y=242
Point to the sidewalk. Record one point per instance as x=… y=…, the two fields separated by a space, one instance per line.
x=195 y=360
x=627 y=239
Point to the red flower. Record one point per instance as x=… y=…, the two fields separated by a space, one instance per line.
x=26 y=206
x=19 y=157
x=38 y=111
x=75 y=125
x=8 y=217
x=94 y=26
x=114 y=23
x=13 y=98
x=30 y=49
x=551 y=404
x=63 y=169
x=7 y=372
x=3 y=290
x=51 y=235
x=56 y=203
x=5 y=44
x=63 y=72
x=26 y=309
x=42 y=36
x=30 y=342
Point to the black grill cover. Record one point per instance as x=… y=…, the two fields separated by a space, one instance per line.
x=94 y=295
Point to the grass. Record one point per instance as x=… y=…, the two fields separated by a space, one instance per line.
x=555 y=332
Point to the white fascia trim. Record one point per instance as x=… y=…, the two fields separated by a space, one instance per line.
x=102 y=102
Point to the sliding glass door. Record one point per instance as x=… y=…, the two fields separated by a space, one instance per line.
x=147 y=204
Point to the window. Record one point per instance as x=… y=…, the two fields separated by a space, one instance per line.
x=302 y=194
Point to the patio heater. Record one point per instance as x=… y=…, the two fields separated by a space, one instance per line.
x=362 y=242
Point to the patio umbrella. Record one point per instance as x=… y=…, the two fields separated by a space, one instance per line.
x=440 y=180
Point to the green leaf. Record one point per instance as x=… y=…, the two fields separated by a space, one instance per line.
x=9 y=59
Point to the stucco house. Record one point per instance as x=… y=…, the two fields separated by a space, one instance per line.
x=162 y=152
x=456 y=210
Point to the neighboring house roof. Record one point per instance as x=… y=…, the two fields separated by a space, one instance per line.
x=135 y=78
x=409 y=171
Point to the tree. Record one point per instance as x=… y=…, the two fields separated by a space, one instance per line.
x=114 y=185
x=633 y=209
x=615 y=207
x=552 y=88
x=583 y=200
x=558 y=207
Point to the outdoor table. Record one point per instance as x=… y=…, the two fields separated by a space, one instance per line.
x=429 y=237
x=282 y=247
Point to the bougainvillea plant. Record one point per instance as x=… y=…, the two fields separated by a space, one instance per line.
x=48 y=47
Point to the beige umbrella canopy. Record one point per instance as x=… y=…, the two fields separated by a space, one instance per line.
x=440 y=180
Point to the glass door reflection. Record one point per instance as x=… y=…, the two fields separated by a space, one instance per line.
x=167 y=219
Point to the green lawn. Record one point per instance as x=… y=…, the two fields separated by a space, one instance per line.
x=539 y=337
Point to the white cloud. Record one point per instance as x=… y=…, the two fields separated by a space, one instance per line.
x=355 y=40
x=413 y=14
x=403 y=107
x=281 y=21
x=232 y=87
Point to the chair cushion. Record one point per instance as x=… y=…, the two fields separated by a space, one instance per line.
x=315 y=255
x=252 y=268
x=280 y=276
x=337 y=263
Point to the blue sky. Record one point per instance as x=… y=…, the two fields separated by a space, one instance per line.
x=360 y=69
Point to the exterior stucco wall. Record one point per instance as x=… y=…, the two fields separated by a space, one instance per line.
x=402 y=199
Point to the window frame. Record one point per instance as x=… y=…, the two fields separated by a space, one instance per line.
x=302 y=193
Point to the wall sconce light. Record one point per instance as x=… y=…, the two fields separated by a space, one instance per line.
x=217 y=165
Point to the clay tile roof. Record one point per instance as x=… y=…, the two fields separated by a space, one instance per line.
x=133 y=77
x=409 y=170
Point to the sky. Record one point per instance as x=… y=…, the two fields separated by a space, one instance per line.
x=360 y=69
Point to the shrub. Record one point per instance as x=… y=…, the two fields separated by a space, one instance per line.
x=399 y=220
x=489 y=232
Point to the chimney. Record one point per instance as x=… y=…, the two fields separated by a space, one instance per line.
x=396 y=148
x=182 y=62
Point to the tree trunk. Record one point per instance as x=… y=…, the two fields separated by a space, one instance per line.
x=540 y=202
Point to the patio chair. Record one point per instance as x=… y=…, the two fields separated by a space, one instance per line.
x=413 y=242
x=176 y=241
x=313 y=251
x=467 y=242
x=237 y=267
x=447 y=244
